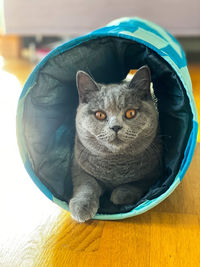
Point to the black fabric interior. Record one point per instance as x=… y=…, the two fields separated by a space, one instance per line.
x=50 y=107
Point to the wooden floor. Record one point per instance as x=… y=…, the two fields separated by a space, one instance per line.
x=36 y=232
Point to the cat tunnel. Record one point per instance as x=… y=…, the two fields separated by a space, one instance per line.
x=47 y=107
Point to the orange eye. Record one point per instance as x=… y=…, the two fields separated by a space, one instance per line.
x=100 y=115
x=130 y=113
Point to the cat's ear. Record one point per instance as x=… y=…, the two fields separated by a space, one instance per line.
x=141 y=81
x=86 y=85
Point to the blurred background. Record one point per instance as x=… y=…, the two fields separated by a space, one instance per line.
x=33 y=28
x=34 y=231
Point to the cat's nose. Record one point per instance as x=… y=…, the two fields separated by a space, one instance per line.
x=116 y=128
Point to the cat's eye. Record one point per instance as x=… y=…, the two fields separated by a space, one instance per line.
x=100 y=115
x=130 y=113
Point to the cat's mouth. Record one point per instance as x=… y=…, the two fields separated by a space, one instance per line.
x=116 y=141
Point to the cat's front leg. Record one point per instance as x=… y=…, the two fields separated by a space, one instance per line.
x=85 y=201
x=126 y=194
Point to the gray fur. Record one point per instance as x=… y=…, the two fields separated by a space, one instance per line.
x=127 y=162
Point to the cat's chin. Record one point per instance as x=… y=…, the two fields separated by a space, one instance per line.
x=116 y=146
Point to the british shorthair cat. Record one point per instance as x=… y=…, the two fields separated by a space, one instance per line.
x=117 y=143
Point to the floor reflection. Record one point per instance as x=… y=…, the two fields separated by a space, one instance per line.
x=24 y=209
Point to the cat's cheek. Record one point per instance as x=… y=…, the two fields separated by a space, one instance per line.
x=87 y=124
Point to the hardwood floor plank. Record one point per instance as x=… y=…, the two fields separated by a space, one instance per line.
x=175 y=240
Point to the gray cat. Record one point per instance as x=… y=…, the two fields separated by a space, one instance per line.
x=117 y=143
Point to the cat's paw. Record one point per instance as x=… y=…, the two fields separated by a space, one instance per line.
x=125 y=195
x=83 y=209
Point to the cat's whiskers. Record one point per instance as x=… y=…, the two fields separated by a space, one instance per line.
x=106 y=136
x=102 y=135
x=128 y=135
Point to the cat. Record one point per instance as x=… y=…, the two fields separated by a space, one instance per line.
x=117 y=143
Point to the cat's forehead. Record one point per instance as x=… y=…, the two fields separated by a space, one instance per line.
x=116 y=96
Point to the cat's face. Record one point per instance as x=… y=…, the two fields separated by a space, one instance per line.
x=117 y=117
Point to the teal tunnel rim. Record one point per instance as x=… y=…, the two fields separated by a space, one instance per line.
x=109 y=31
